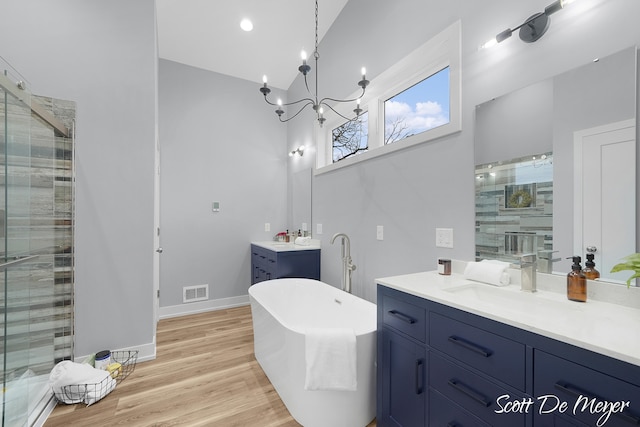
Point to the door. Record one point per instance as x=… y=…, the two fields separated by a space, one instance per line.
x=403 y=376
x=605 y=194
x=156 y=239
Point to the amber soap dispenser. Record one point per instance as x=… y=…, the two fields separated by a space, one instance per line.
x=576 y=282
x=590 y=271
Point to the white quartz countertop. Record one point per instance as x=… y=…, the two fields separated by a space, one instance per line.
x=283 y=246
x=603 y=327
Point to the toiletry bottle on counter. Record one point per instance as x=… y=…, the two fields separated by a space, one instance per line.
x=444 y=266
x=576 y=282
x=590 y=271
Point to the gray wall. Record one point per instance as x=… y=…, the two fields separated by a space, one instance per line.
x=418 y=189
x=102 y=55
x=219 y=142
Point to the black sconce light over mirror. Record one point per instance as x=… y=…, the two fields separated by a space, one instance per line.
x=533 y=28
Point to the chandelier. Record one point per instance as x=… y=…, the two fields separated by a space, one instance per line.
x=313 y=100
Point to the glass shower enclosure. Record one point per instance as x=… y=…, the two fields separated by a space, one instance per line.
x=36 y=245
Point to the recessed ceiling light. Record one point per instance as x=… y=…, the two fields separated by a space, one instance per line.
x=246 y=24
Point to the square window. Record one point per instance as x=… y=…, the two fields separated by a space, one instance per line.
x=421 y=107
x=351 y=138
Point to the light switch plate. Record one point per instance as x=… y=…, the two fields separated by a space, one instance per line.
x=444 y=237
x=380 y=232
x=318 y=228
x=267 y=226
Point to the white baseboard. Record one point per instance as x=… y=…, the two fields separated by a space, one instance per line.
x=146 y=352
x=202 y=306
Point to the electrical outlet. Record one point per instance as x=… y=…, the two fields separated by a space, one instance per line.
x=380 y=232
x=267 y=226
x=318 y=228
x=444 y=237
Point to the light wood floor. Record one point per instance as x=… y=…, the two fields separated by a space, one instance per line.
x=205 y=374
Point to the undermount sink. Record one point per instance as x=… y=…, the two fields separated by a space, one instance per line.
x=510 y=297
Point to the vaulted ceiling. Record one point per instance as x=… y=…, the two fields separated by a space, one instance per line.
x=207 y=34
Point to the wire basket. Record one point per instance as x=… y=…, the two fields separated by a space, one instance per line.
x=91 y=393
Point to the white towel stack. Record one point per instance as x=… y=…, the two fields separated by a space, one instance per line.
x=330 y=355
x=493 y=272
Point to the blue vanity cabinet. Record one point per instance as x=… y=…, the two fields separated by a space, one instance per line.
x=403 y=382
x=478 y=370
x=584 y=390
x=269 y=264
x=402 y=379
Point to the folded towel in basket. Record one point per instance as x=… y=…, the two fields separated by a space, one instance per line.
x=73 y=382
x=330 y=355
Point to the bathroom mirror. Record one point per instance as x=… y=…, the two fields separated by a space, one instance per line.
x=301 y=199
x=556 y=116
x=514 y=209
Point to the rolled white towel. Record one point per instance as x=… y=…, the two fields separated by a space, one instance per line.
x=488 y=271
x=303 y=241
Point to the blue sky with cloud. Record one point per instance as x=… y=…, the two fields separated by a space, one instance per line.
x=422 y=107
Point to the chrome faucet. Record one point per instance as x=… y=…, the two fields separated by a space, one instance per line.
x=347 y=265
x=528 y=266
x=546 y=260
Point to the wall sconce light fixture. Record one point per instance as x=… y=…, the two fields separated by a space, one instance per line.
x=533 y=28
x=299 y=151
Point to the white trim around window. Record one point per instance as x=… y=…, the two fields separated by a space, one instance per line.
x=440 y=52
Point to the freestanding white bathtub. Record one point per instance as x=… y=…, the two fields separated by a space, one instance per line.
x=282 y=311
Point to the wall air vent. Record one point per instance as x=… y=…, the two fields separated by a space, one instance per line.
x=195 y=293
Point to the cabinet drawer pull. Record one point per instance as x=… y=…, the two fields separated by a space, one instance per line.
x=419 y=376
x=577 y=392
x=463 y=388
x=405 y=318
x=470 y=346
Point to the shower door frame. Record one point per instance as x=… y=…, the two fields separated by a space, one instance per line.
x=37 y=395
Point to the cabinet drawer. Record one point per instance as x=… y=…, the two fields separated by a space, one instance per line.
x=474 y=393
x=445 y=413
x=405 y=317
x=261 y=256
x=569 y=382
x=497 y=356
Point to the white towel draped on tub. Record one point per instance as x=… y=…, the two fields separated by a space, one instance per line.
x=330 y=355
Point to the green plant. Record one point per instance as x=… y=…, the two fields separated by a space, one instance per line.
x=632 y=263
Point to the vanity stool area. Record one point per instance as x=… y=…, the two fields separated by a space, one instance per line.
x=448 y=356
x=275 y=260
